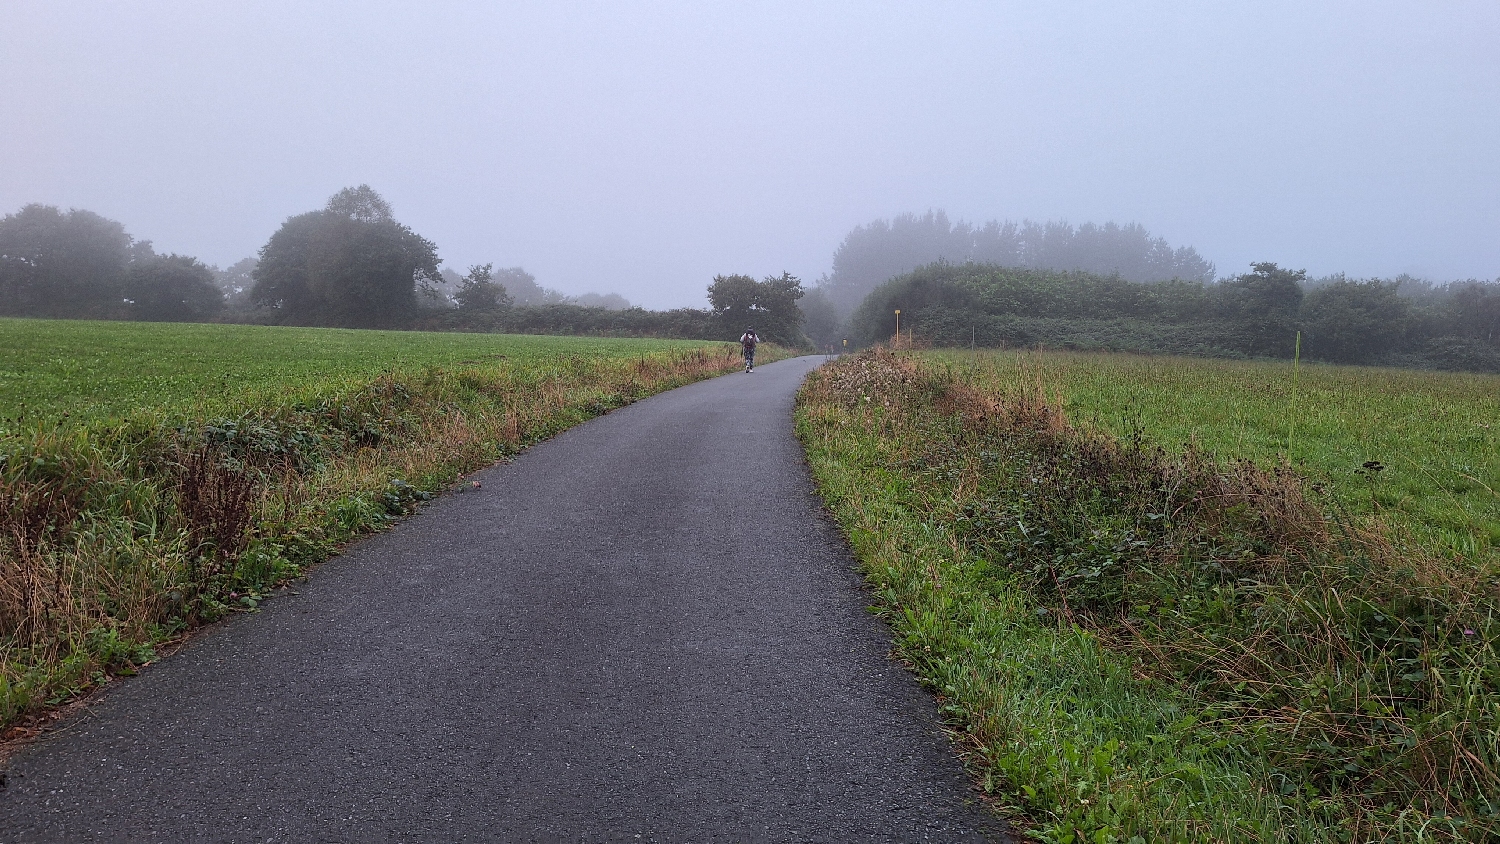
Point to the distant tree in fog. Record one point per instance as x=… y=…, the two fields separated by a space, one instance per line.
x=769 y=306
x=350 y=265
x=1263 y=306
x=1475 y=311
x=236 y=282
x=514 y=287
x=1354 y=321
x=61 y=264
x=439 y=292
x=821 y=320
x=607 y=301
x=361 y=204
x=883 y=249
x=524 y=290
x=169 y=288
x=478 y=291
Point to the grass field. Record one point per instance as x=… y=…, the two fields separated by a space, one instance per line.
x=157 y=476
x=1190 y=643
x=94 y=371
x=1436 y=434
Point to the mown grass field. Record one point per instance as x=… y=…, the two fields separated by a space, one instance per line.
x=154 y=477
x=87 y=371
x=1436 y=434
x=1143 y=625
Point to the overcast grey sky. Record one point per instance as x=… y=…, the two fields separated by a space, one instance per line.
x=645 y=147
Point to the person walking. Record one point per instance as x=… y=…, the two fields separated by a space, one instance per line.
x=747 y=343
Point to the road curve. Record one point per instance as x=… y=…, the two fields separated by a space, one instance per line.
x=641 y=630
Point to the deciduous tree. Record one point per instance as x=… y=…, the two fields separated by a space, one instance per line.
x=170 y=288
x=61 y=264
x=523 y=289
x=1262 y=308
x=1475 y=311
x=1354 y=321
x=874 y=253
x=479 y=292
x=770 y=306
x=821 y=320
x=350 y=265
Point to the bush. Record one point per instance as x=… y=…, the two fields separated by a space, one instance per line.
x=1353 y=321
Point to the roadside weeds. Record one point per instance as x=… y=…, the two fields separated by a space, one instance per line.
x=1130 y=646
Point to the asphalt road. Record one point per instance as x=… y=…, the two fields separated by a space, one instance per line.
x=644 y=629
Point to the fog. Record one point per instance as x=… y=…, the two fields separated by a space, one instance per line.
x=644 y=148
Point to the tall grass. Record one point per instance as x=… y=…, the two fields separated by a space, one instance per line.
x=1136 y=644
x=118 y=535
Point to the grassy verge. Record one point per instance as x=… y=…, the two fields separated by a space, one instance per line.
x=1436 y=435
x=119 y=534
x=1137 y=645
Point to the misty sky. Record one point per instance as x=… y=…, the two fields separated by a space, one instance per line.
x=643 y=148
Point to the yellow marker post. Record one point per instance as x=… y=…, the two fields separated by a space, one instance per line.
x=898 y=325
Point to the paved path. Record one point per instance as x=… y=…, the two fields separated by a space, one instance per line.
x=641 y=630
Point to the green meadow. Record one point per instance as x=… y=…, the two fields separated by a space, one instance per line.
x=86 y=371
x=1434 y=435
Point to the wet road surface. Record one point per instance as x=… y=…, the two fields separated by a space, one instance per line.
x=644 y=629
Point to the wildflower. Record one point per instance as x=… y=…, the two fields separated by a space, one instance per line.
x=1468 y=631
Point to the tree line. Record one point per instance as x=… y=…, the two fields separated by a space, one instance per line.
x=873 y=253
x=77 y=264
x=350 y=264
x=1400 y=322
x=736 y=302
